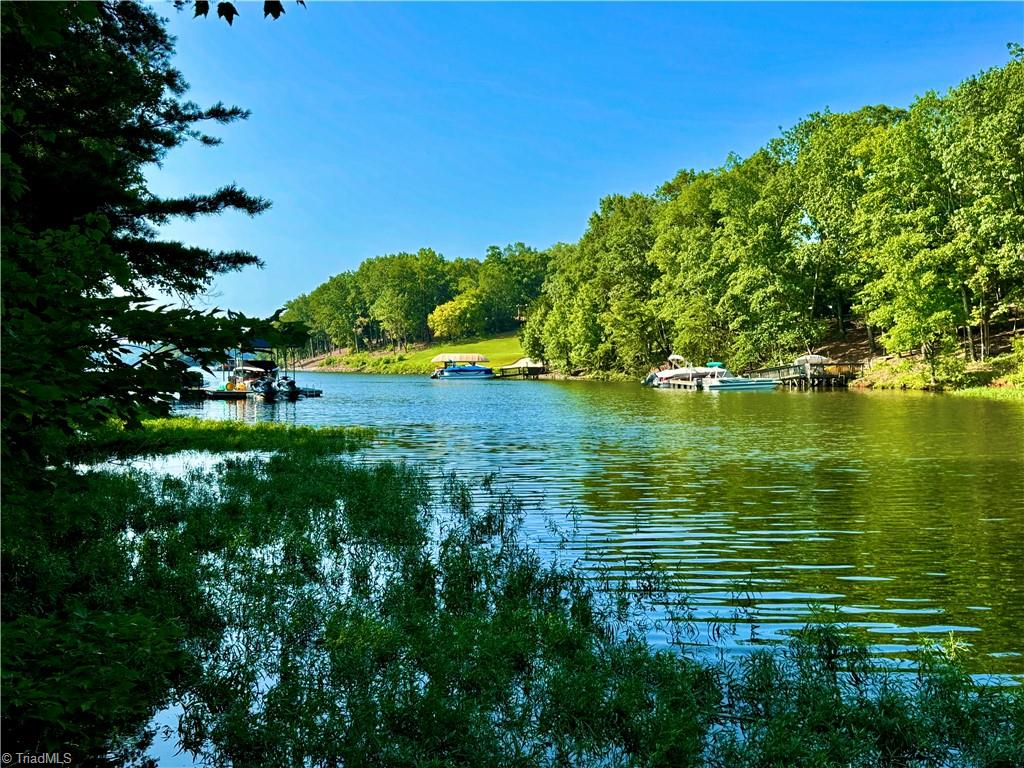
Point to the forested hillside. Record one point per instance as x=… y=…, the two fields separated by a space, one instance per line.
x=398 y=298
x=907 y=222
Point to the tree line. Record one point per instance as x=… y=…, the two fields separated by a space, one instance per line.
x=908 y=223
x=403 y=297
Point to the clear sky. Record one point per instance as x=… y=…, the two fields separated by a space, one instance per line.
x=379 y=128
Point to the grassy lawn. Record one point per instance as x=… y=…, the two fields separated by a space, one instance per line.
x=499 y=350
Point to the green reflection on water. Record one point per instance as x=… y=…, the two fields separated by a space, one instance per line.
x=762 y=502
x=880 y=498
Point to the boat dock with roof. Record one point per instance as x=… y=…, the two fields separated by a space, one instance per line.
x=524 y=368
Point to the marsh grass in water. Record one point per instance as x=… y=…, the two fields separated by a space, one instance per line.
x=165 y=436
x=297 y=609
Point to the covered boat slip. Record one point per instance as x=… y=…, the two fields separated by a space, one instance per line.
x=260 y=379
x=523 y=367
x=466 y=365
x=810 y=370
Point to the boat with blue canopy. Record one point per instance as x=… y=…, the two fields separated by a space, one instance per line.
x=461 y=365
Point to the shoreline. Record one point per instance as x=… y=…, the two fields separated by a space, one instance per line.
x=1008 y=393
x=549 y=376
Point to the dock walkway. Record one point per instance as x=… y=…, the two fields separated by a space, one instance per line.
x=811 y=375
x=524 y=368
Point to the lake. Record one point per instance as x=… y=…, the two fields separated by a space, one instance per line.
x=904 y=512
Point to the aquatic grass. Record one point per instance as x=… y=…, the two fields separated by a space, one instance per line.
x=183 y=433
x=300 y=609
x=821 y=700
x=434 y=652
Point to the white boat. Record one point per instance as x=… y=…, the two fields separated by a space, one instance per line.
x=678 y=368
x=721 y=380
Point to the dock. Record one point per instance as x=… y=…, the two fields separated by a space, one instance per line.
x=691 y=385
x=237 y=394
x=224 y=394
x=811 y=375
x=523 y=368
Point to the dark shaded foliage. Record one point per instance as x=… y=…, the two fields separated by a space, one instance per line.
x=91 y=98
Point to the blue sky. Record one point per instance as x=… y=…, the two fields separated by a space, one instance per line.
x=379 y=128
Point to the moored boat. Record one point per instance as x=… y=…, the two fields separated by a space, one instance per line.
x=250 y=375
x=264 y=389
x=288 y=389
x=678 y=370
x=461 y=366
x=260 y=379
x=721 y=380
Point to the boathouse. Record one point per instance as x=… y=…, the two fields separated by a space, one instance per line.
x=524 y=367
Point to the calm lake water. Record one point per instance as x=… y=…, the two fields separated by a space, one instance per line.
x=903 y=511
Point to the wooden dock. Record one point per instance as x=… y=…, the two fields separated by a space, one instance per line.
x=691 y=385
x=224 y=394
x=523 y=368
x=193 y=394
x=811 y=375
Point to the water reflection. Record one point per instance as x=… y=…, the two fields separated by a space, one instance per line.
x=901 y=511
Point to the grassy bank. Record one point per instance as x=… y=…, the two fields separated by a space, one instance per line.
x=300 y=609
x=499 y=350
x=998 y=377
x=990 y=393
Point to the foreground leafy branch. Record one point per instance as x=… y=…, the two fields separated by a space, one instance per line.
x=228 y=11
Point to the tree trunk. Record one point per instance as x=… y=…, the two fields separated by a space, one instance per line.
x=871 y=339
x=967 y=324
x=984 y=329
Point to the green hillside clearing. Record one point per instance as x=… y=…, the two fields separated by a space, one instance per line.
x=499 y=350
